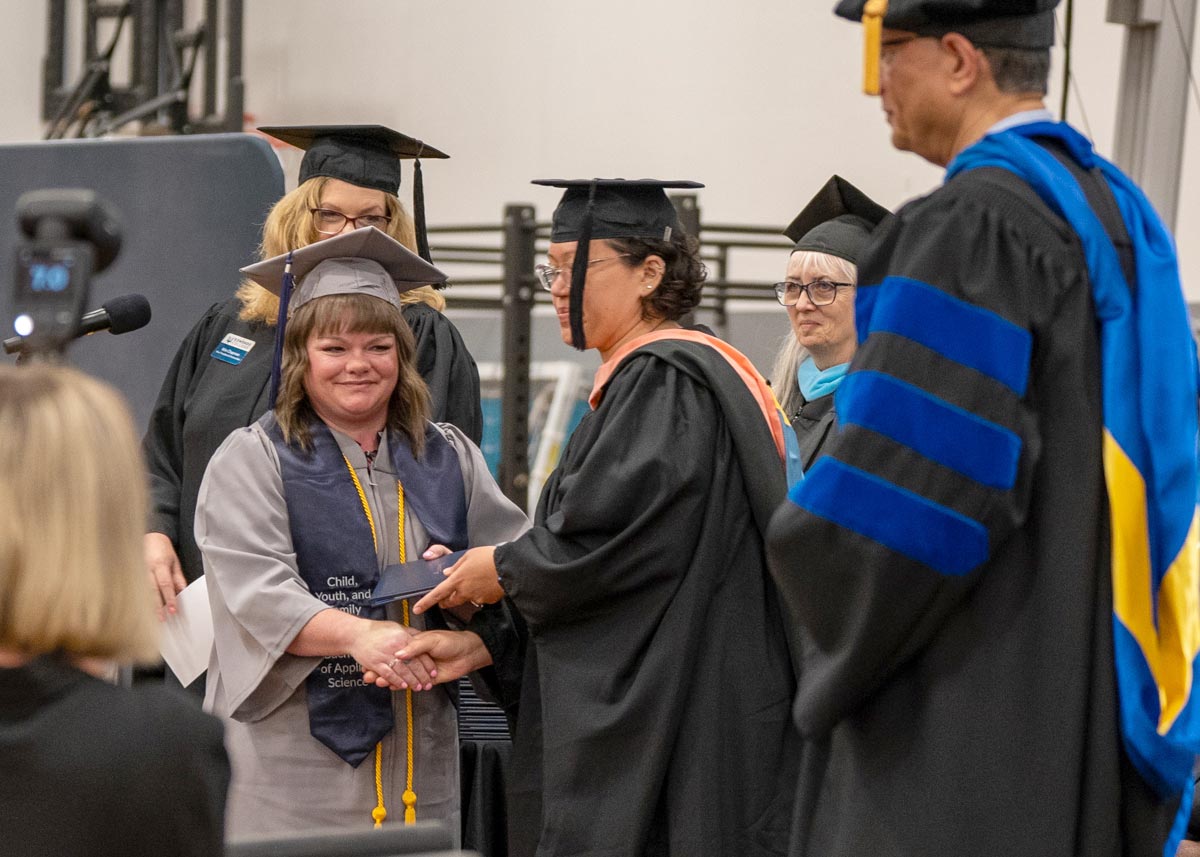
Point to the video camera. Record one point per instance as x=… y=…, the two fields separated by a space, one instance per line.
x=70 y=235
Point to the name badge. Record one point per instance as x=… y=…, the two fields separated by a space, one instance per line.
x=233 y=349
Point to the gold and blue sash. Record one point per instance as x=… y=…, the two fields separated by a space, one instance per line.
x=1150 y=397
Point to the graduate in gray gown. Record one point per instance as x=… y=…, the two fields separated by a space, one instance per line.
x=297 y=516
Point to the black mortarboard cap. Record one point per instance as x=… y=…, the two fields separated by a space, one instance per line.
x=364 y=155
x=608 y=208
x=987 y=23
x=837 y=221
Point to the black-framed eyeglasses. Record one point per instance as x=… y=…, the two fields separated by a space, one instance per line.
x=547 y=275
x=820 y=292
x=330 y=222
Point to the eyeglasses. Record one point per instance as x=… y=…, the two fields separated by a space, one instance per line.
x=329 y=222
x=820 y=292
x=888 y=50
x=547 y=275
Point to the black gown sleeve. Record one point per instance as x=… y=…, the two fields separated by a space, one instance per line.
x=505 y=637
x=931 y=470
x=619 y=516
x=448 y=369
x=162 y=444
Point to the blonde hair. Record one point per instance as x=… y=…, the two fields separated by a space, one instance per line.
x=408 y=406
x=791 y=353
x=72 y=576
x=289 y=226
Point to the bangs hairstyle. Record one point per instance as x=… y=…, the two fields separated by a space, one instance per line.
x=289 y=226
x=408 y=406
x=72 y=575
x=791 y=353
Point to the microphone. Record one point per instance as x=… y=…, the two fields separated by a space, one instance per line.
x=120 y=315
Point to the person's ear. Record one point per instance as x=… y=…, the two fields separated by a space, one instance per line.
x=965 y=63
x=653 y=269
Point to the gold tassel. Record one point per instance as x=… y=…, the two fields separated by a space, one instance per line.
x=409 y=797
x=872 y=20
x=379 y=813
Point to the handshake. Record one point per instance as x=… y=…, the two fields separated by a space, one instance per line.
x=402 y=658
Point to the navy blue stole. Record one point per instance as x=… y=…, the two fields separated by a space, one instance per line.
x=336 y=557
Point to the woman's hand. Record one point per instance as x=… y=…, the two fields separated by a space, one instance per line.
x=375 y=647
x=166 y=575
x=454 y=653
x=434 y=551
x=472 y=579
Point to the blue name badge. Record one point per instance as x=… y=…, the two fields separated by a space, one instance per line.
x=233 y=349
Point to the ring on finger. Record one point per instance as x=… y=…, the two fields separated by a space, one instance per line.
x=391 y=663
x=475 y=604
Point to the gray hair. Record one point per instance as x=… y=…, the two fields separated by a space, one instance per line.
x=791 y=353
x=1019 y=70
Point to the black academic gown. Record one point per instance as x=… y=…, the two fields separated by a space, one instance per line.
x=204 y=399
x=655 y=686
x=967 y=710
x=814 y=423
x=92 y=770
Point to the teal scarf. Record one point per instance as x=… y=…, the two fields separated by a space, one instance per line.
x=815 y=383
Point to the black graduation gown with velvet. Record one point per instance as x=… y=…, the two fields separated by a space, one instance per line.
x=203 y=400
x=957 y=693
x=654 y=674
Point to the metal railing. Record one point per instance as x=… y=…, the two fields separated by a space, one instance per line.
x=496 y=263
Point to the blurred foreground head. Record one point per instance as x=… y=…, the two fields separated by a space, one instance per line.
x=72 y=579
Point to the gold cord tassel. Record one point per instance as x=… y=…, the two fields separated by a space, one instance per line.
x=409 y=797
x=379 y=813
x=872 y=20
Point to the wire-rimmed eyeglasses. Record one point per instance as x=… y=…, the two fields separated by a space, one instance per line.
x=330 y=222
x=820 y=292
x=546 y=274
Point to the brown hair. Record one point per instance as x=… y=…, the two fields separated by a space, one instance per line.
x=683 y=275
x=408 y=407
x=289 y=226
x=72 y=574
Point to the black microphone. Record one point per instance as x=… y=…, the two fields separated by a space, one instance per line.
x=120 y=315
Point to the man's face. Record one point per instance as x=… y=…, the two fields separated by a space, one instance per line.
x=911 y=90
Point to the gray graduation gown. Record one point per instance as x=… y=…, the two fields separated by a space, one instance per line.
x=284 y=780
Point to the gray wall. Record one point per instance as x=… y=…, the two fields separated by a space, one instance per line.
x=759 y=99
x=186 y=232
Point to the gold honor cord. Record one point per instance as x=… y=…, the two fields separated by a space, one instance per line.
x=872 y=20
x=379 y=813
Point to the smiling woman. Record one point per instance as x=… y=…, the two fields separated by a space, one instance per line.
x=219 y=380
x=307 y=506
x=819 y=293
x=349 y=377
x=348 y=363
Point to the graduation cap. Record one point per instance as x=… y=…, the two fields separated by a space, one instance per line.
x=363 y=155
x=837 y=221
x=365 y=261
x=608 y=208
x=987 y=23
